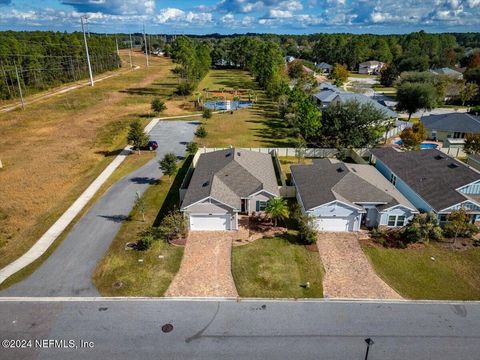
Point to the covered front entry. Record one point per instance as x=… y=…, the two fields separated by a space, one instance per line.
x=336 y=223
x=201 y=222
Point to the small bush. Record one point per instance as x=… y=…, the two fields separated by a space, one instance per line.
x=306 y=226
x=207 y=113
x=201 y=132
x=192 y=148
x=185 y=88
x=145 y=243
x=158 y=105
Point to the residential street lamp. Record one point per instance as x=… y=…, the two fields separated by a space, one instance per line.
x=369 y=343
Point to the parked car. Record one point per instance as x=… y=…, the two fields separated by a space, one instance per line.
x=151 y=145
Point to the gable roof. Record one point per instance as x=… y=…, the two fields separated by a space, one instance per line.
x=230 y=175
x=432 y=174
x=446 y=71
x=329 y=93
x=455 y=121
x=371 y=63
x=324 y=65
x=327 y=180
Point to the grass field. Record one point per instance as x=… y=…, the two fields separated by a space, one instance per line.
x=454 y=275
x=152 y=276
x=54 y=149
x=276 y=268
x=254 y=127
x=130 y=164
x=362 y=76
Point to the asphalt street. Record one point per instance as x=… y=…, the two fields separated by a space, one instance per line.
x=183 y=329
x=68 y=271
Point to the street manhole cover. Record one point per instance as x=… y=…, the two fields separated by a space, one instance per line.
x=167 y=328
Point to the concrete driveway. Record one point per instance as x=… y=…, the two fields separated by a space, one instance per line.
x=206 y=266
x=348 y=273
x=68 y=271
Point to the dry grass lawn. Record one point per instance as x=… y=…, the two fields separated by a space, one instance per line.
x=55 y=148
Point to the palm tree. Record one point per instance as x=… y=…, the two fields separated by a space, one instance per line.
x=277 y=209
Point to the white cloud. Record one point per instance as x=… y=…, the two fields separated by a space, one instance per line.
x=173 y=15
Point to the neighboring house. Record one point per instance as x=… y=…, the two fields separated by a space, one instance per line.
x=447 y=72
x=325 y=68
x=431 y=180
x=330 y=94
x=343 y=196
x=371 y=67
x=453 y=125
x=226 y=183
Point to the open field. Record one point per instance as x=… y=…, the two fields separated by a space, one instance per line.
x=152 y=276
x=277 y=268
x=254 y=127
x=55 y=148
x=453 y=275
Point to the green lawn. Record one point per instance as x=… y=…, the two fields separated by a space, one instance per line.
x=152 y=275
x=276 y=268
x=258 y=126
x=362 y=76
x=454 y=275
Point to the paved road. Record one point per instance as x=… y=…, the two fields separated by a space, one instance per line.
x=244 y=330
x=68 y=271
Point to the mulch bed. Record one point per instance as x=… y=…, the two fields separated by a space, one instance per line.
x=312 y=247
x=178 y=242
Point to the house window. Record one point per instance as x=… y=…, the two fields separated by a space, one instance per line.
x=396 y=221
x=458 y=135
x=393 y=179
x=442 y=217
x=261 y=205
x=391 y=220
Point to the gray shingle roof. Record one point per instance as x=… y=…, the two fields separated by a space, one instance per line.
x=229 y=175
x=446 y=71
x=329 y=93
x=455 y=121
x=324 y=65
x=432 y=174
x=327 y=180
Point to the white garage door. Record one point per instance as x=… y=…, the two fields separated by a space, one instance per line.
x=335 y=224
x=209 y=222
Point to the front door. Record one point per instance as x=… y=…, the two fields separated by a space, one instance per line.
x=244 y=208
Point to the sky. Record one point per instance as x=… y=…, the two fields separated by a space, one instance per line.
x=241 y=16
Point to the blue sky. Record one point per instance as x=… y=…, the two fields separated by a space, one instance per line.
x=240 y=16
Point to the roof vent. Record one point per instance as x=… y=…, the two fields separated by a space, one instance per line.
x=238 y=153
x=206 y=183
x=453 y=165
x=439 y=157
x=340 y=170
x=228 y=154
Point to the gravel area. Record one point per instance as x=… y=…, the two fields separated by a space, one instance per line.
x=348 y=273
x=206 y=266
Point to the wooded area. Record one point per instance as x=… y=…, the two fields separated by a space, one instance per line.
x=46 y=59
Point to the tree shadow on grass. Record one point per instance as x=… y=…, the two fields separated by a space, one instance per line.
x=173 y=197
x=141 y=91
x=108 y=153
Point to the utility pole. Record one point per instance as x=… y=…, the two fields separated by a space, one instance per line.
x=19 y=88
x=145 y=44
x=130 y=53
x=86 y=50
x=116 y=44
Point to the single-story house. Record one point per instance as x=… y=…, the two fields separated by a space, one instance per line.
x=226 y=183
x=325 y=68
x=431 y=180
x=454 y=74
x=453 y=125
x=371 y=67
x=342 y=197
x=330 y=94
x=289 y=59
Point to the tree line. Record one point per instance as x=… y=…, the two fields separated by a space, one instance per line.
x=45 y=59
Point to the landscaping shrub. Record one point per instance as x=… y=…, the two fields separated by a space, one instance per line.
x=192 y=148
x=389 y=238
x=173 y=226
x=459 y=225
x=306 y=226
x=201 y=132
x=145 y=242
x=158 y=105
x=185 y=88
x=207 y=113
x=423 y=227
